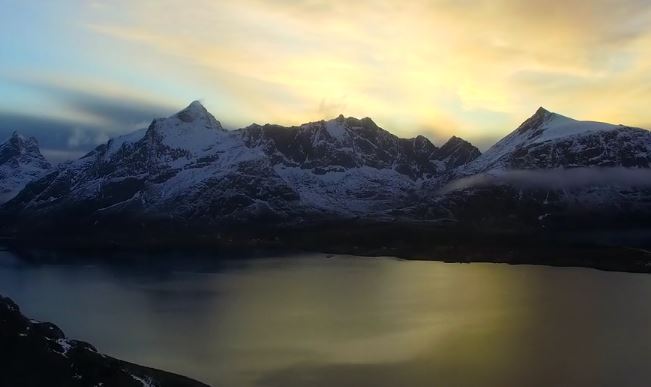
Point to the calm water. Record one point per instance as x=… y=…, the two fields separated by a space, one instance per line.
x=348 y=321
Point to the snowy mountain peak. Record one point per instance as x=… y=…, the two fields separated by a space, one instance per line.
x=197 y=113
x=21 y=161
x=542 y=110
x=18 y=145
x=193 y=130
x=535 y=122
x=551 y=140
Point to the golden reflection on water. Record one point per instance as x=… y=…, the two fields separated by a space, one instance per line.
x=350 y=321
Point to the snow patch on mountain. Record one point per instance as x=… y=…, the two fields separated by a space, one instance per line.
x=557 y=126
x=336 y=128
x=352 y=191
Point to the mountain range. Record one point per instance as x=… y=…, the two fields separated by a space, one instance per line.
x=186 y=172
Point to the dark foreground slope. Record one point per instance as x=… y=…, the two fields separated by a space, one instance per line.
x=38 y=354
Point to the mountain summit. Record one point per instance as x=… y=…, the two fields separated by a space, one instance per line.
x=18 y=145
x=21 y=161
x=197 y=114
x=550 y=140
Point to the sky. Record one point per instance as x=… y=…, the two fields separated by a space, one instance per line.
x=74 y=73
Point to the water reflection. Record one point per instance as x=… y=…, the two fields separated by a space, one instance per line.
x=347 y=321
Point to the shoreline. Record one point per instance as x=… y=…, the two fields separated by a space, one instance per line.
x=611 y=249
x=618 y=259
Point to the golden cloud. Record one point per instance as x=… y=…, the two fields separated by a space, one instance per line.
x=472 y=68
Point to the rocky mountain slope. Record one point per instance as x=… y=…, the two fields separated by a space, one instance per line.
x=35 y=354
x=189 y=169
x=20 y=162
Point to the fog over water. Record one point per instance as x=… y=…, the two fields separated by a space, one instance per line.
x=311 y=320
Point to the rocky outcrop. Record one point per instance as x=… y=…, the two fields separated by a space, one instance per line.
x=457 y=152
x=38 y=354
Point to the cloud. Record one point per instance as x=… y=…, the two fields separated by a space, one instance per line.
x=415 y=64
x=57 y=156
x=79 y=117
x=50 y=132
x=556 y=179
x=80 y=137
x=471 y=68
x=109 y=106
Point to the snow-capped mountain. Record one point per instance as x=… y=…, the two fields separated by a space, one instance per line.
x=550 y=140
x=21 y=161
x=190 y=169
x=352 y=166
x=554 y=168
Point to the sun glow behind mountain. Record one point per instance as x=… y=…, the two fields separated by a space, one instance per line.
x=77 y=72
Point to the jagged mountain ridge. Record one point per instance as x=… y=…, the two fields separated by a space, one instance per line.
x=190 y=168
x=21 y=161
x=350 y=142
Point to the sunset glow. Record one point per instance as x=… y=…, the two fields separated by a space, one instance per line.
x=78 y=72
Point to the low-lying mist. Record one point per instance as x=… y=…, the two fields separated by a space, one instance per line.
x=556 y=178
